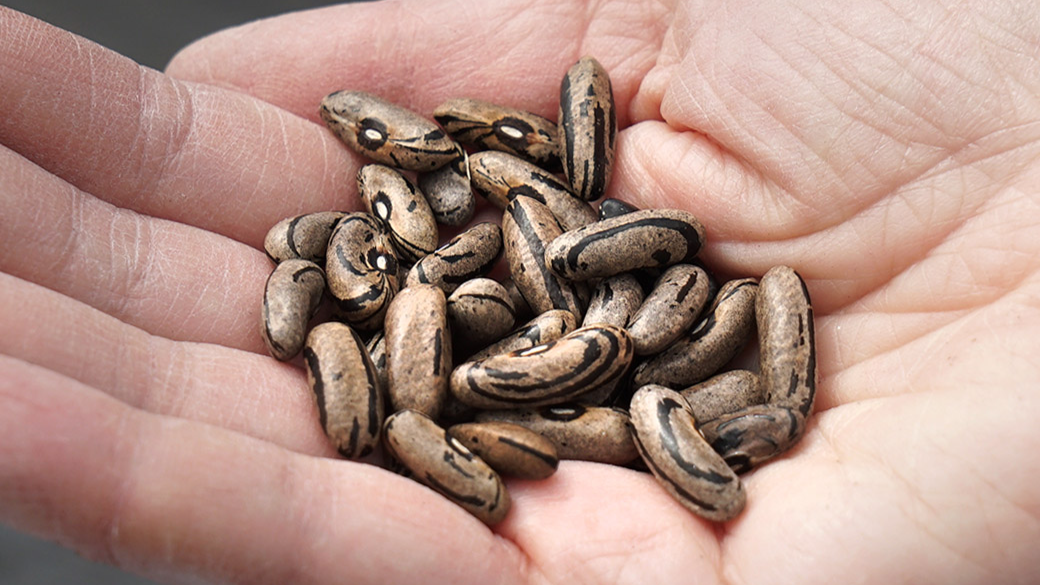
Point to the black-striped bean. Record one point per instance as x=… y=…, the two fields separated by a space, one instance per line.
x=588 y=128
x=586 y=433
x=670 y=309
x=346 y=388
x=722 y=394
x=470 y=254
x=387 y=133
x=614 y=301
x=304 y=236
x=361 y=269
x=714 y=341
x=399 y=205
x=418 y=350
x=679 y=457
x=650 y=238
x=786 y=337
x=291 y=295
x=496 y=127
x=609 y=208
x=750 y=436
x=509 y=449
x=446 y=465
x=546 y=327
x=480 y=312
x=555 y=372
x=448 y=191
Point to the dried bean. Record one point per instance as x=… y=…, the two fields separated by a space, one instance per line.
x=609 y=208
x=722 y=394
x=291 y=295
x=495 y=127
x=304 y=236
x=670 y=309
x=786 y=337
x=614 y=301
x=418 y=350
x=509 y=449
x=748 y=437
x=588 y=128
x=448 y=191
x=361 y=269
x=480 y=312
x=469 y=255
x=549 y=326
x=400 y=206
x=586 y=433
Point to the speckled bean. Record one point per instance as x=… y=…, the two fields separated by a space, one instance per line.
x=546 y=327
x=470 y=254
x=448 y=191
x=614 y=301
x=361 y=269
x=303 y=236
x=587 y=433
x=480 y=312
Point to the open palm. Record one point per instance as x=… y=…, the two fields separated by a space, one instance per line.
x=886 y=151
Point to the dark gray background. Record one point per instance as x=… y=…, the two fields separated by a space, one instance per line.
x=149 y=31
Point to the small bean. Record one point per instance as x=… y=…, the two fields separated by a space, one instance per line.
x=361 y=269
x=546 y=327
x=480 y=312
x=495 y=127
x=614 y=301
x=670 y=309
x=401 y=208
x=291 y=296
x=586 y=433
x=470 y=254
x=588 y=128
x=448 y=191
x=304 y=236
x=750 y=436
x=509 y=449
x=722 y=394
x=418 y=350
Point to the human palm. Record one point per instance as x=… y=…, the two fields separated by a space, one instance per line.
x=887 y=152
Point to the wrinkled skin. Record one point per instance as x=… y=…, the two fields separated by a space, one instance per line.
x=888 y=151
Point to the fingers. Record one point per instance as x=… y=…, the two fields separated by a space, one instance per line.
x=179 y=500
x=167 y=278
x=420 y=53
x=198 y=155
x=243 y=391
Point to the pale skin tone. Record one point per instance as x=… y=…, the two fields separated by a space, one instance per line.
x=887 y=151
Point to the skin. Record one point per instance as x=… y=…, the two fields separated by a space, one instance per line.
x=887 y=151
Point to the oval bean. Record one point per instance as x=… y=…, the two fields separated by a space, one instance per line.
x=448 y=191
x=470 y=254
x=418 y=350
x=291 y=296
x=304 y=236
x=579 y=432
x=670 y=309
x=509 y=449
x=492 y=126
x=588 y=128
x=402 y=209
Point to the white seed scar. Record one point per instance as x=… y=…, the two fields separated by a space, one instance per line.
x=373 y=134
x=511 y=132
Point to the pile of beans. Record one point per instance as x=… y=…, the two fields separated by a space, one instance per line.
x=604 y=343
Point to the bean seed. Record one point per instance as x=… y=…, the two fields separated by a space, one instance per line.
x=304 y=236
x=609 y=208
x=614 y=301
x=527 y=227
x=710 y=344
x=480 y=312
x=679 y=457
x=722 y=394
x=418 y=350
x=786 y=338
x=399 y=205
x=748 y=437
x=387 y=133
x=291 y=296
x=501 y=177
x=546 y=374
x=346 y=388
x=448 y=191
x=501 y=128
x=509 y=449
x=586 y=433
x=588 y=128
x=361 y=269
x=549 y=326
x=376 y=347
x=446 y=465
x=670 y=309
x=650 y=238
x=470 y=254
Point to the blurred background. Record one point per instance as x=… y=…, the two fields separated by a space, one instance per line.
x=150 y=32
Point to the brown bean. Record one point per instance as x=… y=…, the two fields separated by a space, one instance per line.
x=471 y=254
x=418 y=350
x=586 y=433
x=446 y=465
x=650 y=238
x=670 y=309
x=786 y=337
x=401 y=208
x=304 y=236
x=549 y=326
x=509 y=449
x=480 y=312
x=551 y=373
x=722 y=394
x=588 y=128
x=614 y=301
x=710 y=344
x=492 y=126
x=748 y=437
x=361 y=269
x=501 y=177
x=679 y=457
x=448 y=191
x=387 y=133
x=346 y=388
x=527 y=228
x=291 y=296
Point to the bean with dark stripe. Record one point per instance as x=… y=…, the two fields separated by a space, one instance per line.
x=361 y=269
x=418 y=350
x=441 y=462
x=722 y=394
x=714 y=341
x=555 y=372
x=448 y=191
x=291 y=296
x=527 y=228
x=751 y=436
x=649 y=238
x=495 y=127
x=614 y=301
x=470 y=254
x=402 y=209
x=670 y=309
x=588 y=128
x=480 y=312
x=346 y=388
x=387 y=133
x=786 y=337
x=586 y=433
x=501 y=177
x=303 y=236
x=549 y=326
x=609 y=208
x=509 y=449
x=376 y=347
x=682 y=461
x=523 y=310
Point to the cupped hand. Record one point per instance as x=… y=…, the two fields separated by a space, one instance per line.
x=886 y=151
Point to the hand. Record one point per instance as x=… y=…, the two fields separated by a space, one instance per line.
x=886 y=152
